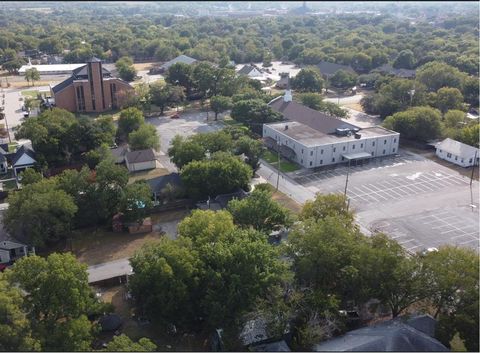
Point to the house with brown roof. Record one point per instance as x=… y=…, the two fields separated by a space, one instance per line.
x=90 y=89
x=312 y=138
x=140 y=160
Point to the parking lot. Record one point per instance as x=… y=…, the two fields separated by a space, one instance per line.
x=416 y=201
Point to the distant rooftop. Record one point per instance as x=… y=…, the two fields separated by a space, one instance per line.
x=179 y=59
x=51 y=68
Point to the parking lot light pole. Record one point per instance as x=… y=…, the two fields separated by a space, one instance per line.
x=346 y=181
x=278 y=164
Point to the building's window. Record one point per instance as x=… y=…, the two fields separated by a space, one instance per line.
x=344 y=148
x=302 y=150
x=373 y=143
x=394 y=140
x=440 y=151
x=311 y=153
x=449 y=155
x=393 y=150
x=301 y=161
x=80 y=99
x=372 y=153
x=456 y=158
x=321 y=151
x=353 y=147
x=333 y=160
x=334 y=149
x=462 y=160
x=264 y=131
x=310 y=163
x=384 y=151
x=470 y=160
x=113 y=94
x=286 y=142
x=343 y=158
x=321 y=161
x=384 y=142
x=361 y=145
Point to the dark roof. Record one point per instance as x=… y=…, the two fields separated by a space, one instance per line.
x=246 y=69
x=119 y=151
x=2 y=158
x=63 y=84
x=316 y=120
x=20 y=152
x=388 y=336
x=140 y=156
x=423 y=323
x=224 y=199
x=110 y=322
x=278 y=346
x=79 y=71
x=404 y=73
x=9 y=245
x=4 y=147
x=283 y=82
x=94 y=59
x=158 y=183
x=329 y=69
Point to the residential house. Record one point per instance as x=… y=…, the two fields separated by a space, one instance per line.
x=250 y=71
x=284 y=81
x=55 y=69
x=158 y=184
x=458 y=153
x=179 y=59
x=3 y=164
x=90 y=89
x=221 y=201
x=390 y=70
x=23 y=158
x=397 y=335
x=312 y=139
x=11 y=251
x=141 y=160
x=328 y=69
x=255 y=337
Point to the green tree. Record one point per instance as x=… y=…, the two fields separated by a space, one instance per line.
x=130 y=120
x=254 y=113
x=469 y=135
x=181 y=74
x=252 y=149
x=449 y=98
x=40 y=212
x=435 y=75
x=15 y=328
x=259 y=211
x=308 y=80
x=418 y=123
x=123 y=343
x=165 y=95
x=404 y=60
x=136 y=201
x=323 y=206
x=221 y=174
x=143 y=138
x=471 y=90
x=58 y=300
x=312 y=100
x=204 y=226
x=343 y=79
x=203 y=77
x=214 y=141
x=182 y=151
x=32 y=75
x=453 y=118
x=361 y=62
x=125 y=69
x=220 y=104
x=30 y=176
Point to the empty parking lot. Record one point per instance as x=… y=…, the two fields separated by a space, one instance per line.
x=416 y=201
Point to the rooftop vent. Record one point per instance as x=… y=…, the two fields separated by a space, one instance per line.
x=342 y=131
x=286 y=127
x=358 y=136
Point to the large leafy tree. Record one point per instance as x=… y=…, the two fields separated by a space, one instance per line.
x=40 y=212
x=125 y=68
x=15 y=329
x=182 y=151
x=130 y=120
x=323 y=206
x=343 y=79
x=32 y=75
x=308 y=80
x=145 y=137
x=223 y=173
x=418 y=123
x=449 y=98
x=220 y=104
x=123 y=343
x=254 y=113
x=181 y=74
x=166 y=95
x=435 y=75
x=259 y=211
x=404 y=60
x=252 y=149
x=58 y=300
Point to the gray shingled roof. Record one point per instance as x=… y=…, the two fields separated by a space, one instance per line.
x=329 y=69
x=316 y=120
x=81 y=71
x=140 y=156
x=158 y=183
x=179 y=59
x=389 y=336
x=20 y=152
x=246 y=69
x=389 y=69
x=457 y=148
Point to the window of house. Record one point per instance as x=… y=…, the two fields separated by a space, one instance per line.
x=373 y=143
x=462 y=160
x=302 y=150
x=440 y=151
x=321 y=151
x=361 y=145
x=344 y=148
x=470 y=160
x=333 y=160
x=321 y=161
x=384 y=142
x=310 y=163
x=301 y=162
x=449 y=155
x=353 y=147
x=394 y=140
x=393 y=150
x=343 y=158
x=264 y=131
x=456 y=158
x=311 y=153
x=372 y=153
x=334 y=149
x=383 y=151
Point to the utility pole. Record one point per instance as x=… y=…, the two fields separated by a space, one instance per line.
x=278 y=164
x=346 y=181
x=473 y=169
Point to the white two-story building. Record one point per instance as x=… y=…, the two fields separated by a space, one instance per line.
x=314 y=139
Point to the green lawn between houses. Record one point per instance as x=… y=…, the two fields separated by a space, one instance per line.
x=285 y=166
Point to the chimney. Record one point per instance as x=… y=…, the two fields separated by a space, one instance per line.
x=288 y=93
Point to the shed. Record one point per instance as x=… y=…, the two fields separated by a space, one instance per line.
x=141 y=160
x=457 y=152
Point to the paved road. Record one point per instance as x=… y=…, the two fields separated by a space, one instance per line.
x=109 y=270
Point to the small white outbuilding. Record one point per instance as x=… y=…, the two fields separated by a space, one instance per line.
x=457 y=152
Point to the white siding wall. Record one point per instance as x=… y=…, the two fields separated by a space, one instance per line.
x=4 y=256
x=461 y=161
x=135 y=167
x=329 y=154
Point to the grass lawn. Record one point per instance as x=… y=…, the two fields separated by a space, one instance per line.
x=147 y=174
x=285 y=166
x=287 y=202
x=270 y=157
x=30 y=93
x=9 y=185
x=230 y=122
